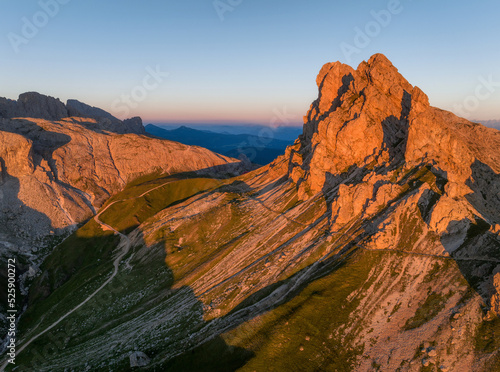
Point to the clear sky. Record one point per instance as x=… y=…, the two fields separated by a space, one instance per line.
x=243 y=60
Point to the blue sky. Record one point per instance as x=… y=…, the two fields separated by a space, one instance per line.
x=243 y=60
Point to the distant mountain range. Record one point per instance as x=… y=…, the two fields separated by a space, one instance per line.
x=258 y=149
x=285 y=133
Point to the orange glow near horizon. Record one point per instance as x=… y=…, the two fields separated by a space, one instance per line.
x=282 y=116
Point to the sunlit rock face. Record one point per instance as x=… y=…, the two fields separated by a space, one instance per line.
x=372 y=117
x=371 y=244
x=55 y=174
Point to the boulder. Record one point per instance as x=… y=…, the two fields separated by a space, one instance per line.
x=139 y=359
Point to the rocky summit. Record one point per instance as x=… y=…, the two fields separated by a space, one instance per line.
x=372 y=244
x=39 y=106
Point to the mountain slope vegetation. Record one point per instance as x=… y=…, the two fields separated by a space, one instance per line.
x=371 y=244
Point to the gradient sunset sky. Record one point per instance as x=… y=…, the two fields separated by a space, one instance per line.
x=240 y=61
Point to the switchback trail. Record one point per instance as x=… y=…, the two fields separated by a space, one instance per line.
x=125 y=244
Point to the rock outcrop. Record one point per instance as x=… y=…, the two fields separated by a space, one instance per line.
x=55 y=174
x=39 y=106
x=372 y=117
x=80 y=109
x=134 y=125
x=139 y=359
x=33 y=105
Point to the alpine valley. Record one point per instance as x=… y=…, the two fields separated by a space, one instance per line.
x=372 y=244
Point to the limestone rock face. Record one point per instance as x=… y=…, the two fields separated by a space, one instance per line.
x=361 y=118
x=371 y=140
x=372 y=117
x=39 y=106
x=16 y=155
x=33 y=105
x=80 y=109
x=55 y=174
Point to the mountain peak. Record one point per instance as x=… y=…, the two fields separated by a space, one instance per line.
x=40 y=106
x=372 y=117
x=378 y=62
x=378 y=78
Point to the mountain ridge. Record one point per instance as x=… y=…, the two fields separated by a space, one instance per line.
x=258 y=149
x=284 y=132
x=39 y=106
x=373 y=243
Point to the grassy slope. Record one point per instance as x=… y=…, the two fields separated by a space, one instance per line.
x=304 y=332
x=78 y=266
x=127 y=215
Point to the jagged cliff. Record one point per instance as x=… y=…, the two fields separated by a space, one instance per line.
x=368 y=126
x=39 y=106
x=371 y=244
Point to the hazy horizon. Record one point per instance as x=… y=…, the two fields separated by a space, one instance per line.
x=203 y=61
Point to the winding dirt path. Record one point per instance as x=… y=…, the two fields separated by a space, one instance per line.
x=125 y=244
x=116 y=263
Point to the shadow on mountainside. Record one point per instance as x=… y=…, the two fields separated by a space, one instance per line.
x=20 y=228
x=470 y=242
x=395 y=138
x=74 y=262
x=137 y=311
x=83 y=261
x=23 y=228
x=477 y=271
x=311 y=126
x=336 y=103
x=486 y=186
x=44 y=143
x=396 y=131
